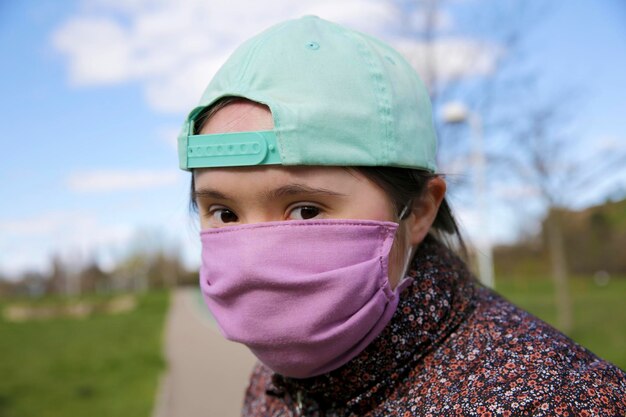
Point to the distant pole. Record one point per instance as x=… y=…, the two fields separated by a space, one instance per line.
x=485 y=251
x=454 y=113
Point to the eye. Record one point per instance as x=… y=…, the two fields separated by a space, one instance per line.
x=304 y=212
x=220 y=215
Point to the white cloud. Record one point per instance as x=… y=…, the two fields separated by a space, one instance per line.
x=119 y=180
x=98 y=49
x=364 y=16
x=174 y=48
x=609 y=143
x=77 y=226
x=450 y=58
x=497 y=225
x=169 y=135
x=27 y=243
x=33 y=226
x=518 y=192
x=420 y=20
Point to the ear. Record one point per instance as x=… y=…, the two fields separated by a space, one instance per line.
x=424 y=211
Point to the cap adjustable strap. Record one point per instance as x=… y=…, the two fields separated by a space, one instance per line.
x=232 y=149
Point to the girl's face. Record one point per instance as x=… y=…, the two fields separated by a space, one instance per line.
x=244 y=195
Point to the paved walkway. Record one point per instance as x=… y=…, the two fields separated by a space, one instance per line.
x=206 y=375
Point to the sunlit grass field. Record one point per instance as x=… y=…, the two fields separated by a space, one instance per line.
x=108 y=364
x=599 y=311
x=103 y=364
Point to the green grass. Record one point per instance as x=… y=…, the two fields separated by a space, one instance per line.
x=103 y=365
x=108 y=365
x=599 y=311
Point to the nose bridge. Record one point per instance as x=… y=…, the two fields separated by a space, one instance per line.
x=258 y=210
x=260 y=218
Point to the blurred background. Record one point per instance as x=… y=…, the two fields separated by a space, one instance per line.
x=95 y=230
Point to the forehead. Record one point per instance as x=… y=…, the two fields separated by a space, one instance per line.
x=239 y=116
x=277 y=175
x=261 y=184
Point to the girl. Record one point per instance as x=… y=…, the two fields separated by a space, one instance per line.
x=312 y=154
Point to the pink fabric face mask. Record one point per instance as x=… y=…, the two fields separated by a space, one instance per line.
x=305 y=296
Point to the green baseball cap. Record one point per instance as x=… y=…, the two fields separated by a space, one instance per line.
x=337 y=97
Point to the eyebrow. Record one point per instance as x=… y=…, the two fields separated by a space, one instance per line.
x=295 y=189
x=285 y=190
x=208 y=193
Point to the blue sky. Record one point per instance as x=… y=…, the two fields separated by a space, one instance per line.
x=93 y=93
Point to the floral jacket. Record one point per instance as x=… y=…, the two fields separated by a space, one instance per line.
x=453 y=348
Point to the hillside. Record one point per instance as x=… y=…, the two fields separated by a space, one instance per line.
x=594 y=240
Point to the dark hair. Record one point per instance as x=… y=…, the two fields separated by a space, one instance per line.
x=405 y=185
x=402 y=185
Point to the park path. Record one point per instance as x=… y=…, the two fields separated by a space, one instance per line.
x=206 y=375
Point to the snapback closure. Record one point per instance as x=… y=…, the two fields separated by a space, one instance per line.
x=232 y=149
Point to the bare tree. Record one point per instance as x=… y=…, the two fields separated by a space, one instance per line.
x=485 y=69
x=529 y=136
x=543 y=154
x=152 y=260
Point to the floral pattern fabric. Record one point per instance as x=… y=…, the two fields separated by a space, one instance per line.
x=453 y=348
